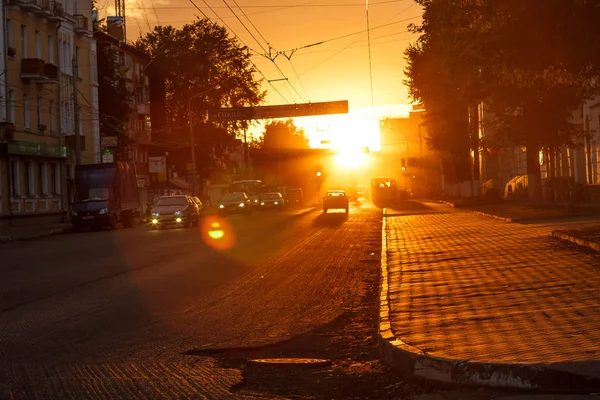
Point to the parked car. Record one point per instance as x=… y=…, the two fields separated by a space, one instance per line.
x=336 y=199
x=235 y=203
x=272 y=200
x=178 y=210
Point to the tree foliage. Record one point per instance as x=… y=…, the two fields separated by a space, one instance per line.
x=283 y=135
x=115 y=98
x=193 y=60
x=530 y=62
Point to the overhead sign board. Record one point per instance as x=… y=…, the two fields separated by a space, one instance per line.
x=279 y=111
x=110 y=141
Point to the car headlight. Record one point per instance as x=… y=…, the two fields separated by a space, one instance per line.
x=103 y=211
x=242 y=205
x=221 y=206
x=276 y=202
x=155 y=214
x=256 y=201
x=74 y=213
x=262 y=203
x=177 y=213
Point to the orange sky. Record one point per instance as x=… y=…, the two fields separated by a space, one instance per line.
x=338 y=69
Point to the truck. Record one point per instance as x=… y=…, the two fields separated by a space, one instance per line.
x=105 y=195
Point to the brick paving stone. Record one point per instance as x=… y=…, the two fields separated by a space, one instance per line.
x=464 y=286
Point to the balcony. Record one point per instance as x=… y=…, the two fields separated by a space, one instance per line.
x=29 y=5
x=82 y=25
x=143 y=109
x=33 y=69
x=45 y=8
x=51 y=72
x=57 y=11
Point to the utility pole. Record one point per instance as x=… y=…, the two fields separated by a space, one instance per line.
x=76 y=111
x=246 y=162
x=193 y=150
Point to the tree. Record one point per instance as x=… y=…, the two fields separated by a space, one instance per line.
x=523 y=59
x=192 y=60
x=115 y=98
x=283 y=135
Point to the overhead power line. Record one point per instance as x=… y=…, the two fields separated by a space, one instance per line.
x=288 y=53
x=242 y=42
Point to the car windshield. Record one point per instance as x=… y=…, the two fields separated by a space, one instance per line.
x=172 y=201
x=271 y=196
x=233 y=196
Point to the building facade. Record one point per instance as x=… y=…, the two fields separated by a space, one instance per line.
x=503 y=166
x=405 y=155
x=133 y=65
x=47 y=43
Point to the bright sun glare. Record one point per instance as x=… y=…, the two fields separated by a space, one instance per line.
x=350 y=158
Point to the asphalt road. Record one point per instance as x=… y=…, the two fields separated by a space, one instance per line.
x=119 y=314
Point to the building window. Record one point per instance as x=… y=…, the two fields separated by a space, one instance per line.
x=29 y=178
x=42 y=179
x=40 y=112
x=9 y=35
x=50 y=49
x=55 y=178
x=26 y=121
x=11 y=106
x=15 y=177
x=78 y=61
x=38 y=45
x=23 y=41
x=52 y=116
x=81 y=133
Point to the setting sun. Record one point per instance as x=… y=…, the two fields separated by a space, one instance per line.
x=350 y=159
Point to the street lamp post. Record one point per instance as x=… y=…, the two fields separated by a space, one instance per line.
x=192 y=139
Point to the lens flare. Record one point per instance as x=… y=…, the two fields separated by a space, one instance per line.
x=217 y=233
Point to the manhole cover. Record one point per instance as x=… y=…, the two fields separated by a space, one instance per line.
x=291 y=361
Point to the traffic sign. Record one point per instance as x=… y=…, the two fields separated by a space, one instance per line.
x=279 y=111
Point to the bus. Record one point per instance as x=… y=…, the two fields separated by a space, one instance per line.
x=252 y=187
x=383 y=191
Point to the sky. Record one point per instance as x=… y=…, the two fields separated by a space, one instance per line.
x=311 y=51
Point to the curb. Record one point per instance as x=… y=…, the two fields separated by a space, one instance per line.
x=497 y=217
x=412 y=363
x=57 y=231
x=581 y=242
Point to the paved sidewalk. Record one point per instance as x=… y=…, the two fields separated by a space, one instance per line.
x=461 y=286
x=13 y=233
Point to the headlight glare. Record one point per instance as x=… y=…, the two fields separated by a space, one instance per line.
x=177 y=213
x=242 y=205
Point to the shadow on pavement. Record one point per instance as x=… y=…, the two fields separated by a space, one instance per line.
x=412 y=207
x=331 y=219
